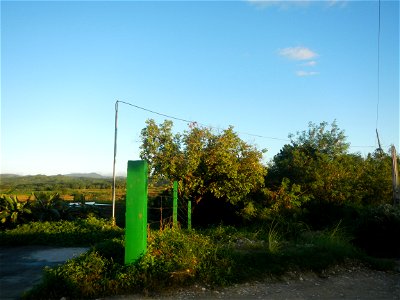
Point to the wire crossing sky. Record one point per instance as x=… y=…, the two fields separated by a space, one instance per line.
x=168 y=117
x=265 y=67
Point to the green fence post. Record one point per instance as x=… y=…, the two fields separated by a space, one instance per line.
x=175 y=206
x=189 y=215
x=136 y=211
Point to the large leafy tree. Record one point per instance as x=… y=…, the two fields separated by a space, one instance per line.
x=376 y=180
x=318 y=161
x=206 y=164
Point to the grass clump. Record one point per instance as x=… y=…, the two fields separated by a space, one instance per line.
x=318 y=250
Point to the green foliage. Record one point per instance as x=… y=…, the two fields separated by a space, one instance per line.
x=287 y=199
x=331 y=183
x=49 y=207
x=180 y=256
x=82 y=277
x=81 y=232
x=173 y=258
x=274 y=239
x=376 y=180
x=321 y=249
x=207 y=165
x=12 y=211
x=317 y=161
x=113 y=249
x=214 y=257
x=330 y=141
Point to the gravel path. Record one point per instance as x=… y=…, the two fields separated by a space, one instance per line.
x=352 y=282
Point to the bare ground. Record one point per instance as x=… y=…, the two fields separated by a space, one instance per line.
x=352 y=281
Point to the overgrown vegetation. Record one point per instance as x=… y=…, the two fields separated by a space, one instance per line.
x=226 y=180
x=41 y=207
x=314 y=205
x=217 y=256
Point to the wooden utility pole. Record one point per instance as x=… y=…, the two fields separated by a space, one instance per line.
x=395 y=178
x=379 y=142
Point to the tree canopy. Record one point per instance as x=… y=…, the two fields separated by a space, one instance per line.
x=218 y=165
x=317 y=159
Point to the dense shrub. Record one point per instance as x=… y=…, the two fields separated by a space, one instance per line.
x=173 y=258
x=61 y=233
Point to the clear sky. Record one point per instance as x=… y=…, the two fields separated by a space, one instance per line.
x=267 y=68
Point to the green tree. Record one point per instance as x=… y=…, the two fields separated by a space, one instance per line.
x=220 y=166
x=161 y=149
x=318 y=161
x=376 y=180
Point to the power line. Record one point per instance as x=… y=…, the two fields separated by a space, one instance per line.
x=378 y=70
x=195 y=122
x=157 y=113
x=213 y=127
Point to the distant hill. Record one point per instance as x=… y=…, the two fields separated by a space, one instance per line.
x=69 y=183
x=9 y=175
x=85 y=175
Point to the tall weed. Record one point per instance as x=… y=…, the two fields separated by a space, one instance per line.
x=274 y=239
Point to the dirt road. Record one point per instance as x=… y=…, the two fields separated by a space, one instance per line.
x=352 y=282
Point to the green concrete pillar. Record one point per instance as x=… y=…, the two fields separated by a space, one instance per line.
x=136 y=211
x=175 y=206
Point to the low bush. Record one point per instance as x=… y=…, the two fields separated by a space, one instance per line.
x=81 y=232
x=173 y=258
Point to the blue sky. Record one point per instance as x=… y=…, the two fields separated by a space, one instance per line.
x=267 y=68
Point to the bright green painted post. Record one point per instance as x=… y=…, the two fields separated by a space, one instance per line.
x=136 y=211
x=190 y=214
x=175 y=206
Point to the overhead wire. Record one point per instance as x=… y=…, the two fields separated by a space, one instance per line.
x=213 y=127
x=378 y=77
x=378 y=64
x=195 y=122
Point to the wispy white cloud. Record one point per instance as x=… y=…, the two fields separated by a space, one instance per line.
x=311 y=63
x=305 y=73
x=298 y=53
